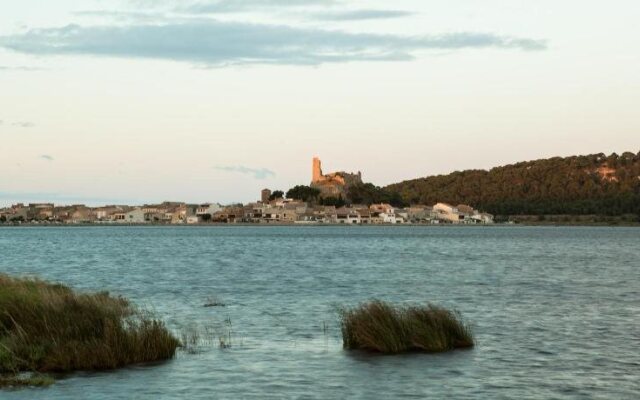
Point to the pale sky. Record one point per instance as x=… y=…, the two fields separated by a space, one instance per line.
x=141 y=101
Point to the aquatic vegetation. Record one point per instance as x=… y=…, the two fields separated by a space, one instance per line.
x=34 y=380
x=47 y=327
x=214 y=301
x=225 y=340
x=378 y=326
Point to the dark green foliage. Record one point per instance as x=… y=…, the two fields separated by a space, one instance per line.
x=304 y=193
x=571 y=185
x=368 y=193
x=47 y=327
x=380 y=327
x=332 y=201
x=564 y=219
x=276 y=194
x=3 y=219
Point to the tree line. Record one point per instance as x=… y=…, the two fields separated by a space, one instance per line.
x=576 y=185
x=364 y=193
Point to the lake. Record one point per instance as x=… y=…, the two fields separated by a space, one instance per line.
x=555 y=310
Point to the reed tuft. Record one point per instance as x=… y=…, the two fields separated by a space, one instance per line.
x=47 y=327
x=379 y=327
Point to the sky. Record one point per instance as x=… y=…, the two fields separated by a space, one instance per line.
x=141 y=101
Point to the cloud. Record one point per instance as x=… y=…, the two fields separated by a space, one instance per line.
x=123 y=15
x=19 y=124
x=232 y=6
x=19 y=68
x=216 y=43
x=46 y=157
x=359 y=15
x=258 y=173
x=24 y=124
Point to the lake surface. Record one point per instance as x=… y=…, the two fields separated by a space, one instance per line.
x=556 y=311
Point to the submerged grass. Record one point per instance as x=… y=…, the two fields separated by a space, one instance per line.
x=378 y=326
x=15 y=381
x=47 y=327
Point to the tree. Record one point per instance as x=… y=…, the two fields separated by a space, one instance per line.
x=3 y=219
x=368 y=193
x=332 y=201
x=303 y=193
x=277 y=194
x=206 y=217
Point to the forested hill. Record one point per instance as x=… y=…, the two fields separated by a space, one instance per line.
x=591 y=184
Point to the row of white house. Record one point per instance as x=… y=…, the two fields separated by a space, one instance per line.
x=288 y=211
x=275 y=211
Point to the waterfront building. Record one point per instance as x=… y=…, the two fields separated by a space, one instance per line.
x=207 y=209
x=447 y=213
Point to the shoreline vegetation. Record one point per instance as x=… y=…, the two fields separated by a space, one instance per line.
x=48 y=328
x=380 y=327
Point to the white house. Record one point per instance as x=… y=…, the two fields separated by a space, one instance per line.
x=346 y=215
x=388 y=217
x=208 y=208
x=447 y=212
x=135 y=216
x=482 y=218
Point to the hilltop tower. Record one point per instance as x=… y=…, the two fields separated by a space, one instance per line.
x=333 y=184
x=316 y=172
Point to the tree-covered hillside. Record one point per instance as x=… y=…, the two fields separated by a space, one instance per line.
x=592 y=184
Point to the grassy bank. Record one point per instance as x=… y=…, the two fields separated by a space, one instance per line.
x=380 y=327
x=47 y=327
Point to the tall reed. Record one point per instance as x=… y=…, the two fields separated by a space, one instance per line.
x=47 y=327
x=378 y=326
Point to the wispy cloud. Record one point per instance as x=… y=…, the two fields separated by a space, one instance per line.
x=46 y=157
x=358 y=15
x=232 y=6
x=309 y=7
x=19 y=68
x=24 y=124
x=146 y=16
x=258 y=173
x=216 y=43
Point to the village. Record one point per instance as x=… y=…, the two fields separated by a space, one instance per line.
x=278 y=211
x=272 y=208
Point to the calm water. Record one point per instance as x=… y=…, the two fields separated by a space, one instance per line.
x=556 y=311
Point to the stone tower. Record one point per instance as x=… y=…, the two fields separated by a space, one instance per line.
x=264 y=195
x=316 y=172
x=334 y=184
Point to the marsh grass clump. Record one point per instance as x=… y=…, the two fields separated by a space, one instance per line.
x=379 y=327
x=47 y=327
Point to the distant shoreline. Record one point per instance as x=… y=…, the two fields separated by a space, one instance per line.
x=266 y=225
